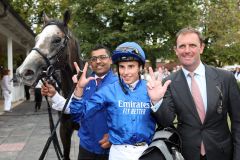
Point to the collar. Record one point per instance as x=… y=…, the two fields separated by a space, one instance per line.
x=95 y=76
x=133 y=85
x=200 y=70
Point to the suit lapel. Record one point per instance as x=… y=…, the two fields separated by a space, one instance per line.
x=212 y=92
x=184 y=94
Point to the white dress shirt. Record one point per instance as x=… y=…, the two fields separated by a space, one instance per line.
x=201 y=81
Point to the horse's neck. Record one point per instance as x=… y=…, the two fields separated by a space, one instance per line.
x=68 y=71
x=73 y=52
x=66 y=81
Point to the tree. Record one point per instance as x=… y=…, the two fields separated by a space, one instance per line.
x=151 y=23
x=31 y=10
x=221 y=23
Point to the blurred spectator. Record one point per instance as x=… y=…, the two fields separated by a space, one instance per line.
x=146 y=75
x=6 y=90
x=38 y=96
x=237 y=74
x=178 y=67
x=174 y=69
x=165 y=73
x=27 y=93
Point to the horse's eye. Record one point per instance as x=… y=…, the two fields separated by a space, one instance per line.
x=56 y=40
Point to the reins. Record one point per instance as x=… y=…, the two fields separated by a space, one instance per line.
x=53 y=129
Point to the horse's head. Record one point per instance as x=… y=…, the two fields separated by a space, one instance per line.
x=50 y=50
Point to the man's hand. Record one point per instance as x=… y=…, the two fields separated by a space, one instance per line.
x=83 y=81
x=155 y=88
x=48 y=90
x=104 y=142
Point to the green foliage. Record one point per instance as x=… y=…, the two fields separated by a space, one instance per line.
x=151 y=23
x=3 y=62
x=221 y=23
x=31 y=10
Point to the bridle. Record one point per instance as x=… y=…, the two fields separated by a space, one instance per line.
x=58 y=56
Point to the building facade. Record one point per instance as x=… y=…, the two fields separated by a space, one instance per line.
x=16 y=40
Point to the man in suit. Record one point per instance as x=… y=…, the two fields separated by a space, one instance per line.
x=204 y=130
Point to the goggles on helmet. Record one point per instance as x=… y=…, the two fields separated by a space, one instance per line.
x=128 y=54
x=130 y=50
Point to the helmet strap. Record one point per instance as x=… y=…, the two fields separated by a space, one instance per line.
x=120 y=81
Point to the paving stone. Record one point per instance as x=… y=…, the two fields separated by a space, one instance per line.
x=23 y=134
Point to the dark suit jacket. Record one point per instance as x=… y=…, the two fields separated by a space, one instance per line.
x=220 y=143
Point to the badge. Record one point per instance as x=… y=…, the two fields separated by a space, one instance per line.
x=219 y=109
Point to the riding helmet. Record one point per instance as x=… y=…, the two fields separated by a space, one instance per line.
x=128 y=51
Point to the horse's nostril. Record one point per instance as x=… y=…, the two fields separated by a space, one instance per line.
x=28 y=74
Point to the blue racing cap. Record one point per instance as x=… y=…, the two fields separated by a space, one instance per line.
x=128 y=51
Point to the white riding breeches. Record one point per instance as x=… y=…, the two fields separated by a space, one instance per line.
x=7 y=100
x=126 y=152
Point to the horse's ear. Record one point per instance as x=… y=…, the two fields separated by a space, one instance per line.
x=66 y=17
x=45 y=18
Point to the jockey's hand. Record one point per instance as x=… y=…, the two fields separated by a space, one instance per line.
x=48 y=90
x=104 y=142
x=155 y=88
x=83 y=80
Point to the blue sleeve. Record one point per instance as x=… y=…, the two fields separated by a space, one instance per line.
x=83 y=108
x=76 y=109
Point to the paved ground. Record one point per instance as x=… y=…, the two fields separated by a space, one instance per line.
x=23 y=133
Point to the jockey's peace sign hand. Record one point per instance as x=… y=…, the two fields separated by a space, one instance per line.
x=83 y=80
x=155 y=88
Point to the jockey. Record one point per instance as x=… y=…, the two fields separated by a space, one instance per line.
x=129 y=119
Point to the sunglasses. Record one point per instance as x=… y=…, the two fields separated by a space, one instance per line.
x=101 y=58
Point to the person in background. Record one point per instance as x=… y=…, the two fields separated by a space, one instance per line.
x=93 y=132
x=129 y=119
x=237 y=74
x=201 y=97
x=6 y=90
x=38 y=96
x=27 y=93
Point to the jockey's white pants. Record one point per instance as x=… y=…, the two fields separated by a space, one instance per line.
x=126 y=152
x=7 y=100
